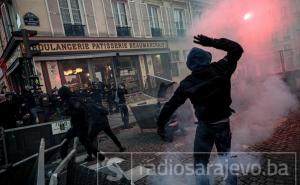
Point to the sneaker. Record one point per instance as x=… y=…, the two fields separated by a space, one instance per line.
x=101 y=157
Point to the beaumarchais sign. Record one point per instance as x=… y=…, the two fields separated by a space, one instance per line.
x=62 y=47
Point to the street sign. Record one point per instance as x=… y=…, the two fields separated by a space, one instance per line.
x=60 y=127
x=31 y=20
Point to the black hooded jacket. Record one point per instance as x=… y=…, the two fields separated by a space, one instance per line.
x=208 y=88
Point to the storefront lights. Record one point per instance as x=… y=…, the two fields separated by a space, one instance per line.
x=70 y=71
x=78 y=70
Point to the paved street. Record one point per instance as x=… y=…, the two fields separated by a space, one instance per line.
x=286 y=138
x=116 y=121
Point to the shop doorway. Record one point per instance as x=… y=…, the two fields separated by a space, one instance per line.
x=103 y=70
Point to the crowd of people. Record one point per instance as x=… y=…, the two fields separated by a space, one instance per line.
x=34 y=106
x=30 y=107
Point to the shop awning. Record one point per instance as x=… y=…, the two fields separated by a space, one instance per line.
x=98 y=55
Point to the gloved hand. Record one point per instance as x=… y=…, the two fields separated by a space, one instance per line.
x=203 y=40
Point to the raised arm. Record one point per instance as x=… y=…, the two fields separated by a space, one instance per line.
x=233 y=49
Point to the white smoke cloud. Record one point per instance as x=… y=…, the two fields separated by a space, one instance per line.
x=260 y=97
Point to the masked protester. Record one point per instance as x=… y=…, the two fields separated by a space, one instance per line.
x=208 y=88
x=77 y=110
x=98 y=121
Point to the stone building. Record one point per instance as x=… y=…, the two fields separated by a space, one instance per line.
x=83 y=41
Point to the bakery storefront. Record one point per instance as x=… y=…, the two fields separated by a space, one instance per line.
x=78 y=63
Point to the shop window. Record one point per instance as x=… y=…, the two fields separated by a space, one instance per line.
x=154 y=21
x=121 y=18
x=2 y=35
x=175 y=71
x=178 y=17
x=127 y=73
x=175 y=56
x=76 y=74
x=71 y=16
x=103 y=70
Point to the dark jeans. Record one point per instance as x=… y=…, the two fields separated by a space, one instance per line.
x=84 y=140
x=206 y=136
x=107 y=130
x=124 y=115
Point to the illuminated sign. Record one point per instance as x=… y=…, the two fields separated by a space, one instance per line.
x=54 y=47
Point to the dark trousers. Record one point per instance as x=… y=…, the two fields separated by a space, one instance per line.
x=124 y=115
x=206 y=136
x=107 y=130
x=84 y=140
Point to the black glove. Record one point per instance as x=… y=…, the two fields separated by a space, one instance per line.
x=203 y=40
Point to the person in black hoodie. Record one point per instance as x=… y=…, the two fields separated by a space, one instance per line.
x=98 y=121
x=209 y=89
x=78 y=113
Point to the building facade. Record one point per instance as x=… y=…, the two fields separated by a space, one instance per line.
x=84 y=41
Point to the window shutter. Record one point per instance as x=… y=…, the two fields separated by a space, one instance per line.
x=55 y=18
x=146 y=21
x=159 y=16
x=187 y=19
x=165 y=20
x=134 y=19
x=6 y=21
x=91 y=24
x=172 y=22
x=111 y=27
x=2 y=35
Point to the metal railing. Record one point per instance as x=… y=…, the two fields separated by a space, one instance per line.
x=41 y=164
x=123 y=31
x=3 y=152
x=22 y=142
x=156 y=32
x=74 y=30
x=35 y=155
x=63 y=163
